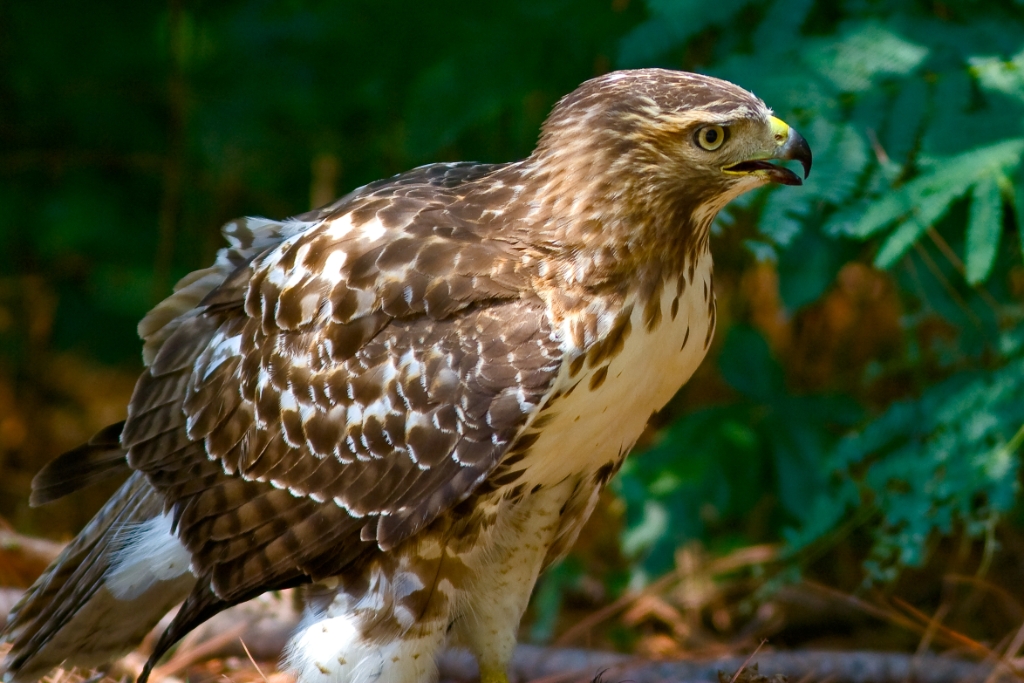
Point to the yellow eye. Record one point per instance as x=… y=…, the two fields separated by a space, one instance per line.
x=711 y=137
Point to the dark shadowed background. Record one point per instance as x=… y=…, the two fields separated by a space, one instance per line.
x=858 y=425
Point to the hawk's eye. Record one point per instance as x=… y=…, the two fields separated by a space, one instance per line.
x=711 y=137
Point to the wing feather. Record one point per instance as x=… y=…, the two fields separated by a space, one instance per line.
x=273 y=418
x=358 y=371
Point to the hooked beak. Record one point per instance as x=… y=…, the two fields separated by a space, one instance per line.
x=790 y=146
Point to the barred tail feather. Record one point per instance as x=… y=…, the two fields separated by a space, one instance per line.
x=100 y=597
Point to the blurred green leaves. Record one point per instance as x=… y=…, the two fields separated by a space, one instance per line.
x=671 y=25
x=124 y=148
x=711 y=469
x=927 y=464
x=916 y=117
x=861 y=54
x=923 y=201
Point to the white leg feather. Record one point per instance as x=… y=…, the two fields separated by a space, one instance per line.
x=329 y=649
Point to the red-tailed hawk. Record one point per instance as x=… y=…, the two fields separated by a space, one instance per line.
x=407 y=401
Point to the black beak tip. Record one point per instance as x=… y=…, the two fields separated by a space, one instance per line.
x=797 y=149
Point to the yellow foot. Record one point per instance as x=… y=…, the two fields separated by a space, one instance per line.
x=490 y=674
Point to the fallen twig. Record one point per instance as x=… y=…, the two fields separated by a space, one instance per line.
x=531 y=663
x=24 y=558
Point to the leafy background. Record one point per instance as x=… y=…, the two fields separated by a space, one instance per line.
x=862 y=411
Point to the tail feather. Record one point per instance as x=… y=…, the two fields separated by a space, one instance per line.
x=101 y=457
x=103 y=594
x=70 y=615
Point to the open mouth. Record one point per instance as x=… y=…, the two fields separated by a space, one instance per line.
x=776 y=174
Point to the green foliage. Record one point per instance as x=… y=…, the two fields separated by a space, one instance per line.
x=711 y=469
x=922 y=202
x=916 y=117
x=127 y=146
x=946 y=457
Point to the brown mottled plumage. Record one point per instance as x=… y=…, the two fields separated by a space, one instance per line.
x=408 y=400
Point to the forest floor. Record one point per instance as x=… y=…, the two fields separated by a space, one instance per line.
x=819 y=635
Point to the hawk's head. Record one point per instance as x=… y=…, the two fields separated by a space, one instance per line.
x=664 y=149
x=677 y=128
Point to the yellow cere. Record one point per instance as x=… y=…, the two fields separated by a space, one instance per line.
x=780 y=129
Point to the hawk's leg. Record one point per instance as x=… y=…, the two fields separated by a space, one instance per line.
x=493 y=675
x=503 y=578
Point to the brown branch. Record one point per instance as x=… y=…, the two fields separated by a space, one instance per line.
x=265 y=628
x=956 y=638
x=608 y=611
x=1011 y=651
x=531 y=663
x=877 y=148
x=23 y=559
x=1007 y=601
x=946 y=284
x=744 y=557
x=186 y=657
x=746 y=662
x=951 y=256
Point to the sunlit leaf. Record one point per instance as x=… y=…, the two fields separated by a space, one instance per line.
x=862 y=53
x=762 y=251
x=924 y=200
x=983 y=229
x=652 y=526
x=901 y=239
x=999 y=75
x=840 y=158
